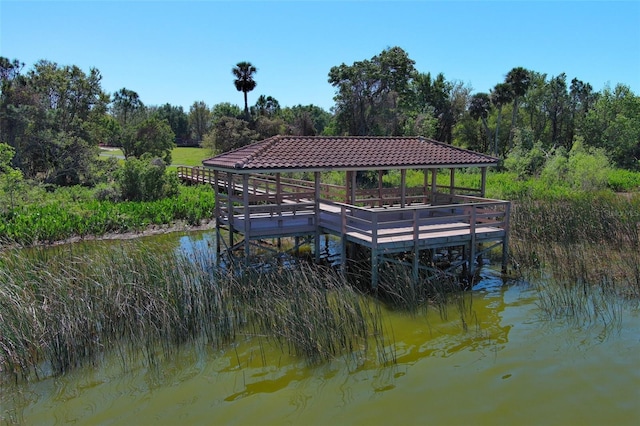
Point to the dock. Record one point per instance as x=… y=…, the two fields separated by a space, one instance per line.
x=257 y=199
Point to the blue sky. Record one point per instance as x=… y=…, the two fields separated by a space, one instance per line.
x=183 y=51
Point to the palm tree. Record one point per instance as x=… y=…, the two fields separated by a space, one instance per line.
x=243 y=71
x=479 y=107
x=501 y=95
x=519 y=78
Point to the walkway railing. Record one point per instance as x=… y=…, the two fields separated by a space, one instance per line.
x=414 y=223
x=268 y=188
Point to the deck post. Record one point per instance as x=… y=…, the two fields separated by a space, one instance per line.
x=278 y=190
x=452 y=181
x=483 y=184
x=374 y=251
x=416 y=249
x=230 y=208
x=247 y=216
x=434 y=187
x=316 y=215
x=216 y=198
x=403 y=188
x=374 y=268
x=472 y=243
x=505 y=240
x=347 y=190
x=343 y=240
x=425 y=185
x=353 y=188
x=380 y=201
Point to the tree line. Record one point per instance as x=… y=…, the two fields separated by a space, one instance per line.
x=55 y=117
x=387 y=96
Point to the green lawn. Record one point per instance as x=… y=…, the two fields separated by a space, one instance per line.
x=184 y=156
x=180 y=156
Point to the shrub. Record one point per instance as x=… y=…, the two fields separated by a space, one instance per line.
x=146 y=179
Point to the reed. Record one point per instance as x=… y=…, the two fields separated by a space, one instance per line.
x=584 y=250
x=62 y=309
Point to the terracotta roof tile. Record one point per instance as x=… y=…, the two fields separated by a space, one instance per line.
x=319 y=152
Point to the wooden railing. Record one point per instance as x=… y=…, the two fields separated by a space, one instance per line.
x=268 y=188
x=413 y=223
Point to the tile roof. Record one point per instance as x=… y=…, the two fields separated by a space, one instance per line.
x=346 y=153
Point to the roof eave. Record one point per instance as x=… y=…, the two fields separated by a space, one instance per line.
x=346 y=169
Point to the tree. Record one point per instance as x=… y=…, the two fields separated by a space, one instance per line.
x=306 y=120
x=581 y=100
x=372 y=95
x=244 y=82
x=50 y=117
x=519 y=79
x=10 y=178
x=267 y=106
x=153 y=137
x=126 y=106
x=231 y=133
x=532 y=103
x=613 y=125
x=177 y=120
x=555 y=105
x=501 y=95
x=224 y=109
x=479 y=108
x=199 y=120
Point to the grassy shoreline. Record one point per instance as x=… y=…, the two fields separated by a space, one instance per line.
x=67 y=216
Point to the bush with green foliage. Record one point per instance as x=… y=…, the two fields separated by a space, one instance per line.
x=146 y=179
x=153 y=137
x=10 y=178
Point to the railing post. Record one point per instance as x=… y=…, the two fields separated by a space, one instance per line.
x=316 y=215
x=505 y=241
x=472 y=248
x=343 y=238
x=416 y=250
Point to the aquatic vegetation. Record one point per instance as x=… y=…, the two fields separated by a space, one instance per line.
x=60 y=310
x=584 y=250
x=63 y=216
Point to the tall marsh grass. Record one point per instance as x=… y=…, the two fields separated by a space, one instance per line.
x=583 y=249
x=60 y=310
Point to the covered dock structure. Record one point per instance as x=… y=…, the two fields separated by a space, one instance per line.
x=274 y=188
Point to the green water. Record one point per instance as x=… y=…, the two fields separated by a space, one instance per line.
x=506 y=363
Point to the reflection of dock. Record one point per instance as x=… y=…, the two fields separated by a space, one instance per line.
x=389 y=222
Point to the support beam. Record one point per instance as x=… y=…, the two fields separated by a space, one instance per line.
x=505 y=240
x=380 y=201
x=425 y=185
x=347 y=186
x=247 y=217
x=278 y=190
x=374 y=268
x=217 y=210
x=403 y=188
x=483 y=184
x=472 y=244
x=316 y=215
x=353 y=188
x=452 y=181
x=434 y=187
x=230 y=207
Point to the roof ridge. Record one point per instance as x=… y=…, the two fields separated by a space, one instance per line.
x=457 y=148
x=264 y=144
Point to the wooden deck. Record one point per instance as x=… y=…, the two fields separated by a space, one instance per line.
x=262 y=207
x=391 y=230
